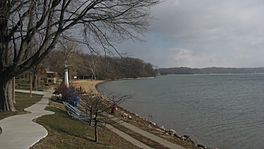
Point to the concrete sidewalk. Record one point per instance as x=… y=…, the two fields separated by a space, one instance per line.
x=145 y=133
x=19 y=131
x=128 y=137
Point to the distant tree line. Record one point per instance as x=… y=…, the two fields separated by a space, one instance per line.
x=209 y=70
x=98 y=67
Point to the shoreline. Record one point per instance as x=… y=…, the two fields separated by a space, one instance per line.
x=171 y=134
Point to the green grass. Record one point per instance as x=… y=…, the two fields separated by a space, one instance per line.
x=65 y=132
x=143 y=139
x=23 y=84
x=22 y=101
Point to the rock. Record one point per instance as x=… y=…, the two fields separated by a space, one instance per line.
x=162 y=128
x=0 y=130
x=124 y=115
x=149 y=126
x=177 y=136
x=185 y=137
x=172 y=132
x=153 y=123
x=129 y=116
x=201 y=146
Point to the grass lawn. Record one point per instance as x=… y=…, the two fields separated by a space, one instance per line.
x=23 y=84
x=65 y=132
x=22 y=101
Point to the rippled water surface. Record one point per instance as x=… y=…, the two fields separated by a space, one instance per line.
x=224 y=111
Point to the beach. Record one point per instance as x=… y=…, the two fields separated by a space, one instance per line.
x=87 y=85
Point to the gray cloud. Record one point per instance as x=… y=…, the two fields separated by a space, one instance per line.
x=228 y=33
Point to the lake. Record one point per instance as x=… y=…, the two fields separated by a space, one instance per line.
x=224 y=111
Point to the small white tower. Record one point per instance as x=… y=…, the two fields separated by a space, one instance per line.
x=66 y=76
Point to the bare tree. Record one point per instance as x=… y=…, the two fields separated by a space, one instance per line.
x=68 y=48
x=92 y=67
x=95 y=105
x=42 y=22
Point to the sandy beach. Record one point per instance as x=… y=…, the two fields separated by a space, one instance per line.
x=87 y=85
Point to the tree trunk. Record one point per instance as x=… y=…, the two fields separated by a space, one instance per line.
x=91 y=116
x=13 y=90
x=35 y=80
x=30 y=85
x=95 y=128
x=6 y=102
x=93 y=74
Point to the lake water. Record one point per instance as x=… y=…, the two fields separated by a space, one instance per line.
x=224 y=111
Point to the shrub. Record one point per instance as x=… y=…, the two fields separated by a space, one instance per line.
x=68 y=94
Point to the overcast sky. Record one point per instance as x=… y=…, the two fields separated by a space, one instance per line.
x=203 y=33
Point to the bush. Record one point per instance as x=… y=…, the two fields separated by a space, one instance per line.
x=68 y=94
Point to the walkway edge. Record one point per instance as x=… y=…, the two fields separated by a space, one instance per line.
x=128 y=137
x=146 y=134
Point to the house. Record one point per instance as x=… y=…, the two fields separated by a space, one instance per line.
x=48 y=77
x=43 y=76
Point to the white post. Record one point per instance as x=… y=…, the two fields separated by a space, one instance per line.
x=66 y=77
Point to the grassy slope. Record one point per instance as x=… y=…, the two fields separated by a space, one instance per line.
x=65 y=132
x=22 y=101
x=144 y=125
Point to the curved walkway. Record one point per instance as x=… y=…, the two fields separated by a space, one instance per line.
x=19 y=131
